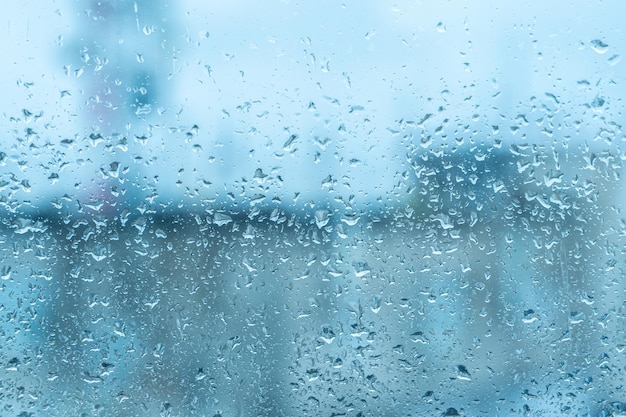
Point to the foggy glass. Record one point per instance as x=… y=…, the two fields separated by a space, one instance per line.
x=312 y=208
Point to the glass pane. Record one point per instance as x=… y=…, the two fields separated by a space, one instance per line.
x=317 y=208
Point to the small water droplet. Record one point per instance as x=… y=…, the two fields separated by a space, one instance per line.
x=419 y=337
x=322 y=217
x=369 y=35
x=597 y=102
x=92 y=379
x=463 y=373
x=451 y=412
x=289 y=144
x=143 y=109
x=375 y=303
x=599 y=46
x=221 y=219
x=5 y=272
x=361 y=269
x=614 y=60
x=327 y=181
x=350 y=218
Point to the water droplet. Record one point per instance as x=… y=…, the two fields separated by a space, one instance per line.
x=92 y=379
x=443 y=220
x=289 y=144
x=576 y=317
x=599 y=46
x=256 y=199
x=426 y=141
x=350 y=218
x=221 y=219
x=375 y=303
x=259 y=176
x=322 y=217
x=463 y=373
x=327 y=181
x=99 y=253
x=140 y=224
x=529 y=316
x=200 y=375
x=143 y=109
x=597 y=102
x=614 y=60
x=5 y=272
x=13 y=364
x=419 y=337
x=361 y=269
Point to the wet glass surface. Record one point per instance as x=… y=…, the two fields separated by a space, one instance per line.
x=335 y=209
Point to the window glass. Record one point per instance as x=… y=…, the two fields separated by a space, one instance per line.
x=288 y=208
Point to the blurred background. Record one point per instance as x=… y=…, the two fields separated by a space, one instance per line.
x=287 y=208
